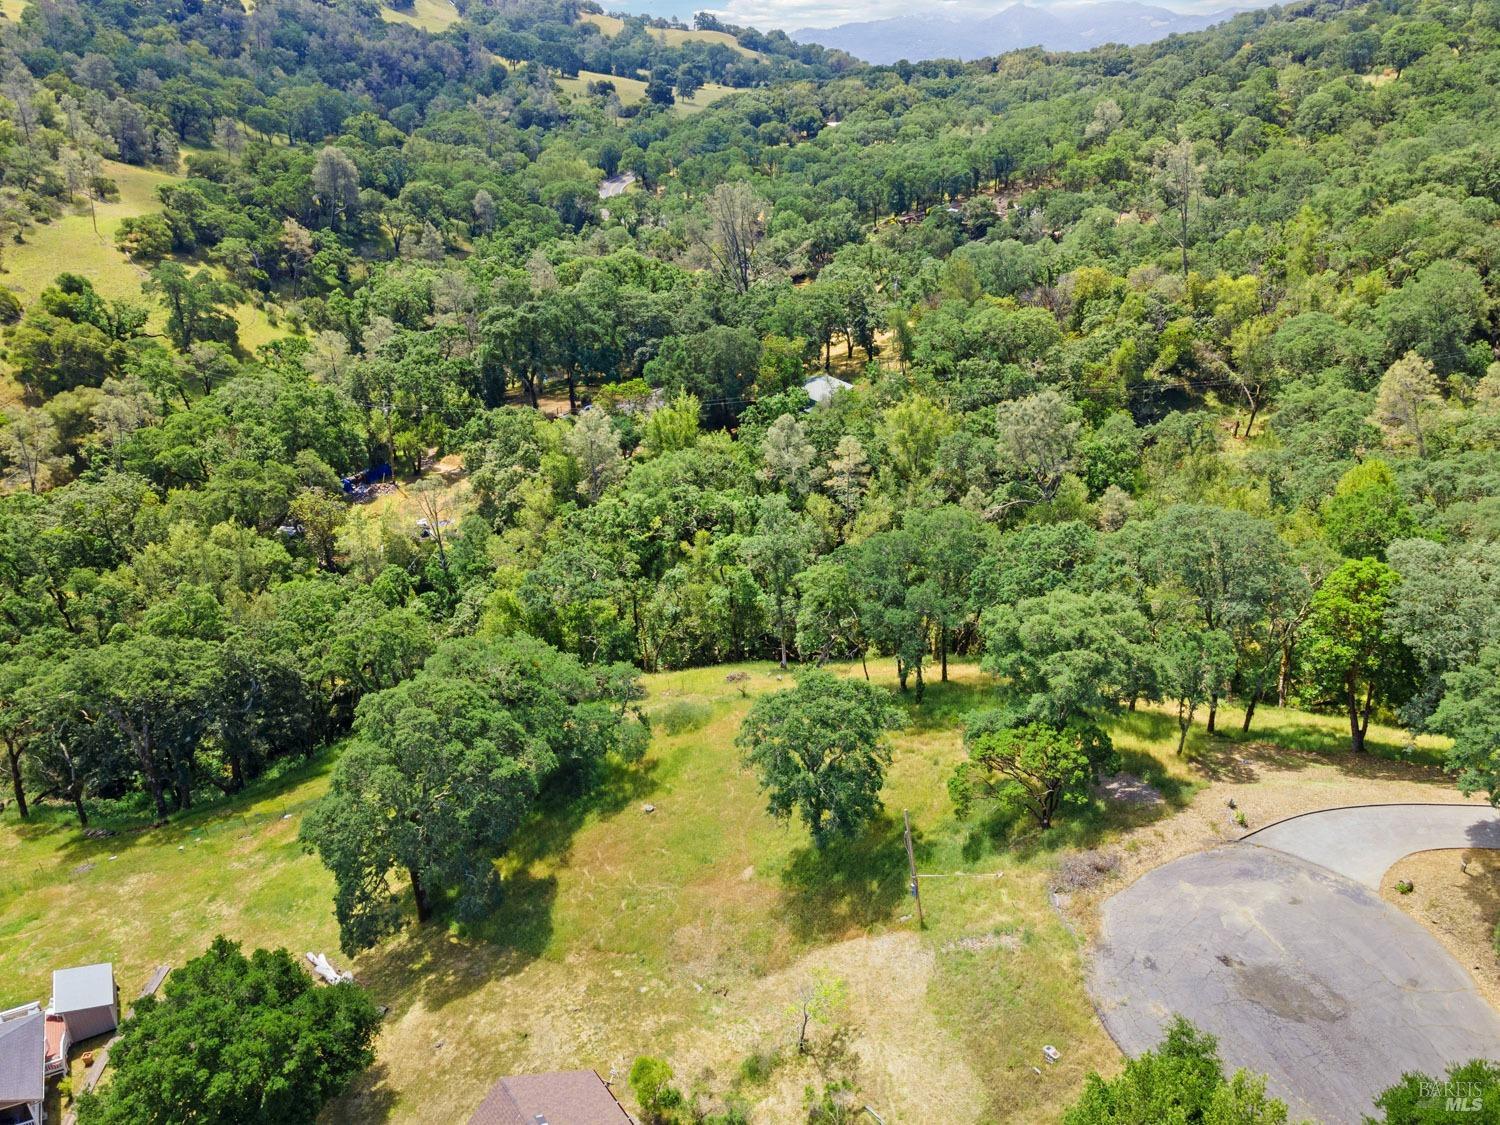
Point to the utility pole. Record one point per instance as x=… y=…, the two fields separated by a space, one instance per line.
x=911 y=863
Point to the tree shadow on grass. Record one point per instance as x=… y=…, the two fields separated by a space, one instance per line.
x=944 y=706
x=370 y=1098
x=445 y=959
x=1232 y=755
x=563 y=810
x=131 y=822
x=441 y=961
x=849 y=885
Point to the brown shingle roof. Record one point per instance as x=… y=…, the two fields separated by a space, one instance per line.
x=568 y=1097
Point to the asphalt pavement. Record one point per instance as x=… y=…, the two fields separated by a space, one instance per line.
x=1299 y=968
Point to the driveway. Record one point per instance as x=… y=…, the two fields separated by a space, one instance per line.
x=1363 y=841
x=1297 y=965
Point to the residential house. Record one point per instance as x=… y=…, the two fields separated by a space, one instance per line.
x=87 y=999
x=569 y=1097
x=23 y=1062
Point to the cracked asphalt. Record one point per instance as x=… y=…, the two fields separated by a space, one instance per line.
x=1299 y=968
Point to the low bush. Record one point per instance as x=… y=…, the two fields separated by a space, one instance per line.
x=682 y=716
x=1084 y=870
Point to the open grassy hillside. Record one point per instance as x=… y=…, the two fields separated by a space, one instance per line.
x=430 y=15
x=670 y=36
x=630 y=90
x=71 y=243
x=687 y=931
x=633 y=90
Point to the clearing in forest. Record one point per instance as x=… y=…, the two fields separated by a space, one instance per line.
x=687 y=931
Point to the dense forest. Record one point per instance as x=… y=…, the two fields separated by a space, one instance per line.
x=1173 y=375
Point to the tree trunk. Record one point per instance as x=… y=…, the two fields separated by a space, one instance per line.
x=140 y=737
x=863 y=665
x=1213 y=711
x=921 y=686
x=419 y=893
x=1184 y=723
x=1284 y=676
x=1249 y=713
x=13 y=752
x=1356 y=730
x=943 y=649
x=902 y=671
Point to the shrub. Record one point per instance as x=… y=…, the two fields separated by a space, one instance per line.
x=758 y=1065
x=683 y=716
x=1404 y=886
x=1084 y=870
x=1411 y=1101
x=836 y=1105
x=1182 y=1079
x=651 y=1083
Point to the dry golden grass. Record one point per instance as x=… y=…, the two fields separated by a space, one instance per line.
x=12 y=9
x=632 y=91
x=629 y=90
x=670 y=36
x=1455 y=894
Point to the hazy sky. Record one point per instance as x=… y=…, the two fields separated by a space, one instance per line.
x=789 y=15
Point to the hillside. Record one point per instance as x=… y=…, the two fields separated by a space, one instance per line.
x=687 y=931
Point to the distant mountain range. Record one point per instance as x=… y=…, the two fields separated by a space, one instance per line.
x=1065 y=27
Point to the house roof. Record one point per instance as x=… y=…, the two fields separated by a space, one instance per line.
x=568 y=1097
x=88 y=986
x=824 y=387
x=23 y=1048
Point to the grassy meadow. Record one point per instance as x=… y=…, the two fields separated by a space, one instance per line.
x=71 y=243
x=434 y=16
x=632 y=91
x=687 y=932
x=670 y=36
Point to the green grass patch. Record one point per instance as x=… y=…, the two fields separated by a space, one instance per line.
x=70 y=243
x=434 y=16
x=629 y=90
x=683 y=932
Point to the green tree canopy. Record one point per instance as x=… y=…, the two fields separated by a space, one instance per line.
x=1348 y=652
x=820 y=749
x=444 y=767
x=235 y=1039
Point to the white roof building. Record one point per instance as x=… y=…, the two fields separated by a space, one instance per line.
x=87 y=999
x=824 y=387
